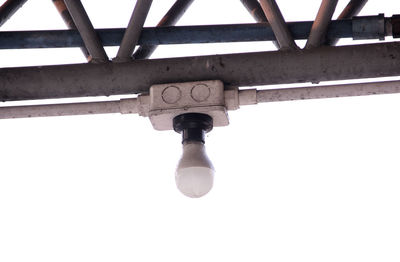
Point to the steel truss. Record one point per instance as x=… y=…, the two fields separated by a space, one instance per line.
x=132 y=73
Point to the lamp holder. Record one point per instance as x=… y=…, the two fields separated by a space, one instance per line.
x=193 y=126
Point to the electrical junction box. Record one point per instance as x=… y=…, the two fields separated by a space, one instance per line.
x=167 y=101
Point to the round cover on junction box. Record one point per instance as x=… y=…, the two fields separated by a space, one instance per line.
x=171 y=94
x=200 y=92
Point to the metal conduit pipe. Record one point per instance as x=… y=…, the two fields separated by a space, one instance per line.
x=352 y=9
x=66 y=16
x=86 y=30
x=245 y=97
x=8 y=9
x=255 y=10
x=328 y=91
x=358 y=28
x=278 y=24
x=132 y=33
x=321 y=23
x=123 y=106
x=170 y=19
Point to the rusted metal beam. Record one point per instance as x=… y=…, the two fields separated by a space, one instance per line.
x=86 y=30
x=353 y=8
x=324 y=63
x=278 y=24
x=170 y=19
x=321 y=23
x=8 y=9
x=132 y=33
x=255 y=10
x=66 y=16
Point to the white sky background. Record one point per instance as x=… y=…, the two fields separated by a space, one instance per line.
x=314 y=180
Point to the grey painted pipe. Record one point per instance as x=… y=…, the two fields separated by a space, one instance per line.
x=66 y=16
x=247 y=69
x=86 y=30
x=321 y=23
x=328 y=91
x=246 y=97
x=124 y=106
x=133 y=31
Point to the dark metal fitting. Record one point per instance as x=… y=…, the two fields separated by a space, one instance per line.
x=395 y=20
x=369 y=27
x=193 y=126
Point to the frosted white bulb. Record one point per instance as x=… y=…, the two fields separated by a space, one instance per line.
x=194 y=175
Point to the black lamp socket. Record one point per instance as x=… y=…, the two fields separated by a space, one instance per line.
x=193 y=126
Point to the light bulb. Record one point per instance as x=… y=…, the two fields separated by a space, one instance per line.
x=194 y=174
